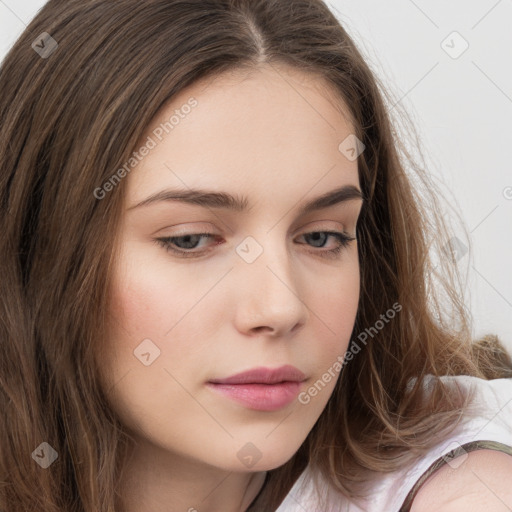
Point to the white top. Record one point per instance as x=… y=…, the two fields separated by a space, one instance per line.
x=489 y=418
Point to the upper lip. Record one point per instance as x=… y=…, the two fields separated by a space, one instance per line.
x=263 y=375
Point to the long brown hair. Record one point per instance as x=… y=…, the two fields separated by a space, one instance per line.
x=73 y=115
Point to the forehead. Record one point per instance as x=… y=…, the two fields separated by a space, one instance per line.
x=252 y=129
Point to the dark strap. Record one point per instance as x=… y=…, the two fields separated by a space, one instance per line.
x=468 y=447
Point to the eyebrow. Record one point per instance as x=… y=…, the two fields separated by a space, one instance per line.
x=223 y=200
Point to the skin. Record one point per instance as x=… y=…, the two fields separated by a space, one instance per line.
x=481 y=482
x=271 y=135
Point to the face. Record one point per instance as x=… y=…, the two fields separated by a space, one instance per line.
x=204 y=291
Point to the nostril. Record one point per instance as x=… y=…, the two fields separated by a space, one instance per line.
x=262 y=328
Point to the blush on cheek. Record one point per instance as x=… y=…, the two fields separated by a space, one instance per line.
x=136 y=298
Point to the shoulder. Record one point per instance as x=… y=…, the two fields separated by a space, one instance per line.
x=480 y=482
x=468 y=469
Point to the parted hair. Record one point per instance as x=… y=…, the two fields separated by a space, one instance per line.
x=69 y=119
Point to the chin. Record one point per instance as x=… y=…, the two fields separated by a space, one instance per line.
x=252 y=457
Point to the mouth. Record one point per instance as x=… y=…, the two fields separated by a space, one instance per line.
x=261 y=388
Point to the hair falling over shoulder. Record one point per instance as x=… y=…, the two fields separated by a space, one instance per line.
x=69 y=119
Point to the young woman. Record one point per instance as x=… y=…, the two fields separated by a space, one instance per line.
x=217 y=289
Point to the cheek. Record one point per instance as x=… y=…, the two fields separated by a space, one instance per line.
x=143 y=295
x=334 y=317
x=151 y=300
x=152 y=313
x=151 y=296
x=334 y=311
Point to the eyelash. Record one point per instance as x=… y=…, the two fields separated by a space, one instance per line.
x=343 y=240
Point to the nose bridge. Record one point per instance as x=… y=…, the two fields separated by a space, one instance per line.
x=266 y=259
x=270 y=290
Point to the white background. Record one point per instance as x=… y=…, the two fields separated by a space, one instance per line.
x=462 y=108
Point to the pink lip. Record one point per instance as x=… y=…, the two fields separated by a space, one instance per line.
x=261 y=388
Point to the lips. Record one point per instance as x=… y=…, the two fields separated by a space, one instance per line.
x=264 y=375
x=261 y=389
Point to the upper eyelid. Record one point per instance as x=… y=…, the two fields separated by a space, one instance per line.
x=310 y=226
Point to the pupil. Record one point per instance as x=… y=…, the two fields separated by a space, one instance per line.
x=317 y=236
x=187 y=241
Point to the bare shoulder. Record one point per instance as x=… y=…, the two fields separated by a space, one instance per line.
x=483 y=481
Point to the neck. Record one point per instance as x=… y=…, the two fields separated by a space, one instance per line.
x=158 y=481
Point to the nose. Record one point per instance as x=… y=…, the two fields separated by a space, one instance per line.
x=269 y=297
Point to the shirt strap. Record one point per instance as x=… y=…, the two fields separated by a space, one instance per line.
x=460 y=450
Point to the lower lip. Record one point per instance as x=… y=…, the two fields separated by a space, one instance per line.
x=260 y=397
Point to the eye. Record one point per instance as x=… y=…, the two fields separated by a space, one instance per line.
x=188 y=242
x=342 y=241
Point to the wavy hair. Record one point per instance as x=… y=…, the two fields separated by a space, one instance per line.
x=68 y=119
